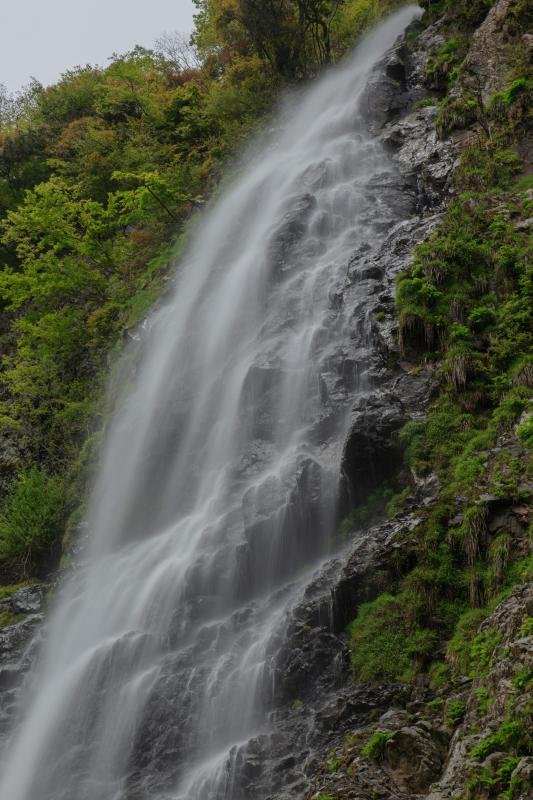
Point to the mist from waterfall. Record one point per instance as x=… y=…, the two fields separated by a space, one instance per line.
x=218 y=490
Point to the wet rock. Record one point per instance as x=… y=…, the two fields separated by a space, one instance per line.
x=28 y=600
x=418 y=151
x=291 y=231
x=371 y=454
x=385 y=95
x=19 y=645
x=428 y=42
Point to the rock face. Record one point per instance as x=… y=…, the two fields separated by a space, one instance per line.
x=324 y=716
x=421 y=758
x=19 y=643
x=488 y=57
x=317 y=704
x=320 y=716
x=512 y=654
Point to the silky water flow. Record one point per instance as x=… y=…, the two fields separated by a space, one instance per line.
x=218 y=489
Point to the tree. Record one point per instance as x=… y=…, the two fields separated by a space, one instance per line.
x=178 y=52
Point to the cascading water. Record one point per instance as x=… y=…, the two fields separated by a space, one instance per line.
x=218 y=490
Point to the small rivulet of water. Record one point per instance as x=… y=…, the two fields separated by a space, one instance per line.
x=218 y=488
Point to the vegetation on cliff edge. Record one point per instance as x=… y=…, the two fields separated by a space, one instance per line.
x=99 y=176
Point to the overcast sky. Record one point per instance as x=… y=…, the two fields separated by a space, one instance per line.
x=43 y=38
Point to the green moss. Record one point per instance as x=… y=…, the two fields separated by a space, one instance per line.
x=425 y=102
x=8 y=618
x=511 y=93
x=8 y=591
x=461 y=304
x=375 y=748
x=526 y=629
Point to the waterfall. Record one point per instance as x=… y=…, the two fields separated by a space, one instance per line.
x=218 y=490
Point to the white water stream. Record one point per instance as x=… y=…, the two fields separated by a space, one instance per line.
x=218 y=488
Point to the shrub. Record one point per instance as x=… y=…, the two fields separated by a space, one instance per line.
x=32 y=516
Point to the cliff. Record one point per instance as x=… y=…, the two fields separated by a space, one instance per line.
x=406 y=670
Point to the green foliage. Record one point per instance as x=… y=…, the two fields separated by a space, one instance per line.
x=460 y=645
x=455 y=712
x=461 y=302
x=441 y=68
x=333 y=763
x=483 y=650
x=426 y=102
x=99 y=175
x=387 y=642
x=456 y=112
x=293 y=38
x=526 y=629
x=513 y=92
x=484 y=701
x=383 y=501
x=375 y=748
x=462 y=305
x=525 y=431
x=510 y=736
x=439 y=674
x=7 y=591
x=497 y=780
x=468 y=13
x=8 y=618
x=523 y=679
x=32 y=515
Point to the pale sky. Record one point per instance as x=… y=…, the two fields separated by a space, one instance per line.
x=43 y=38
